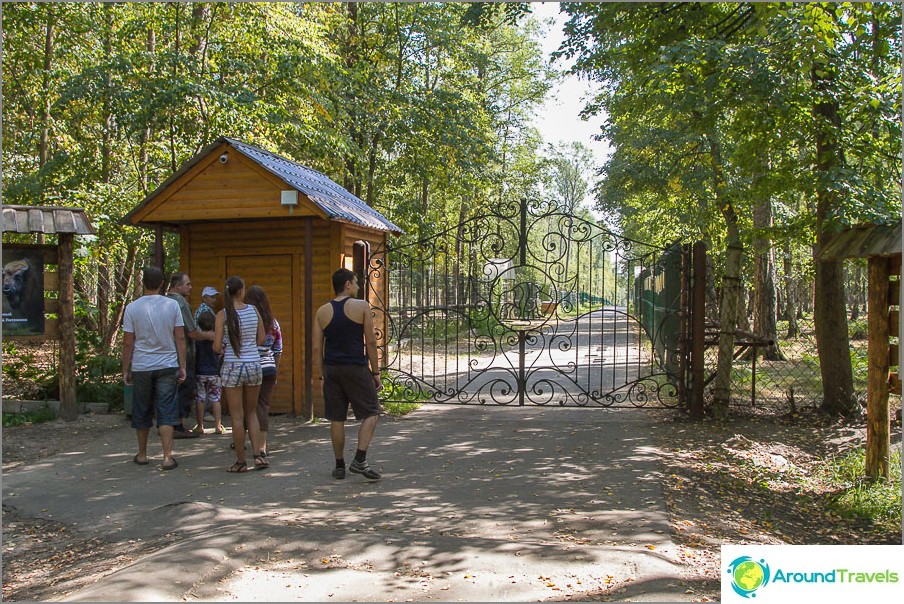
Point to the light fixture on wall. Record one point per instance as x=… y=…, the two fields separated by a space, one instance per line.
x=290 y=199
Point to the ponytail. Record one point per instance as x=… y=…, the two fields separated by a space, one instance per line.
x=233 y=286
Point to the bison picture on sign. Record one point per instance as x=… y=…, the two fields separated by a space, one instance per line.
x=23 y=292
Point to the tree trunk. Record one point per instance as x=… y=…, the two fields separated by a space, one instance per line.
x=764 y=313
x=830 y=318
x=123 y=283
x=731 y=282
x=855 y=295
x=151 y=46
x=44 y=143
x=790 y=291
x=68 y=398
x=743 y=306
x=106 y=172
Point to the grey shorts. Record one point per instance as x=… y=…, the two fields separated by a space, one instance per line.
x=345 y=385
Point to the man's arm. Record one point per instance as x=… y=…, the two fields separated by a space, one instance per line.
x=317 y=345
x=218 y=332
x=179 y=334
x=128 y=348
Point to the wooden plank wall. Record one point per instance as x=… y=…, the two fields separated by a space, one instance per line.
x=211 y=190
x=205 y=255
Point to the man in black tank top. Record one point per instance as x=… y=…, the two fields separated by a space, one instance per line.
x=345 y=356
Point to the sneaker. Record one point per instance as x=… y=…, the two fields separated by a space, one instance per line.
x=339 y=473
x=198 y=429
x=363 y=468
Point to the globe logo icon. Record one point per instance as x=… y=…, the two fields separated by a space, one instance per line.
x=748 y=575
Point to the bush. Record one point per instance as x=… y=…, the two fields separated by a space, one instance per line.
x=44 y=414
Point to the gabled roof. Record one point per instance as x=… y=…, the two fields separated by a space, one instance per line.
x=46 y=219
x=864 y=241
x=333 y=200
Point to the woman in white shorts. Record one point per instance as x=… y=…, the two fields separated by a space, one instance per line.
x=237 y=334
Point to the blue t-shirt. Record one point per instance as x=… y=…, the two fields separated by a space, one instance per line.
x=207 y=362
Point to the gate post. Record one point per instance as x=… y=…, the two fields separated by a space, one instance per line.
x=683 y=335
x=698 y=331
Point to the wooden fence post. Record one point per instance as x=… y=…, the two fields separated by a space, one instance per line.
x=877 y=420
x=68 y=402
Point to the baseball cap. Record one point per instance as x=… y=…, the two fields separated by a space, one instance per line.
x=210 y=291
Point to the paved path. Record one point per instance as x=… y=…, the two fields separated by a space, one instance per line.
x=476 y=504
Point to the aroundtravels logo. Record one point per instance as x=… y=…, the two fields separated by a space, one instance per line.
x=748 y=575
x=867 y=573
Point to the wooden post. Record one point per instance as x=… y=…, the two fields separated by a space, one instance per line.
x=698 y=331
x=159 y=256
x=307 y=410
x=68 y=403
x=877 y=420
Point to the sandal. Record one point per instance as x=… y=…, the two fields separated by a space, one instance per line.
x=238 y=467
x=260 y=462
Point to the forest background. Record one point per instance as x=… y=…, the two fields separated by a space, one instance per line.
x=761 y=128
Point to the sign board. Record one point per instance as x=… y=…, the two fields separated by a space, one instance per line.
x=23 y=290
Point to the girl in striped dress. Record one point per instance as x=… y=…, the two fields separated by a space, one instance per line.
x=237 y=334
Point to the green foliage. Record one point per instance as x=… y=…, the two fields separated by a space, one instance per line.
x=44 y=414
x=33 y=380
x=421 y=109
x=858 y=497
x=399 y=409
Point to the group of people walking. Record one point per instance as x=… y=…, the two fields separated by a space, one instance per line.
x=174 y=358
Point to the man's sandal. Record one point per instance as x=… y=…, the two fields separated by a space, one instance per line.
x=260 y=462
x=238 y=467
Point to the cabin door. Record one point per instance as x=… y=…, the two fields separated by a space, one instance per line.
x=273 y=272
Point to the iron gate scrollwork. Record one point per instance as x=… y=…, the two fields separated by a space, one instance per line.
x=529 y=304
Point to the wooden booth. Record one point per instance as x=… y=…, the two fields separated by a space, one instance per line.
x=241 y=210
x=38 y=284
x=881 y=245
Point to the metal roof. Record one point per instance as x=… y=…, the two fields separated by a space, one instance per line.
x=49 y=220
x=333 y=200
x=864 y=241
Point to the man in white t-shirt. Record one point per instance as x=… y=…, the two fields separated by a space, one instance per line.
x=153 y=362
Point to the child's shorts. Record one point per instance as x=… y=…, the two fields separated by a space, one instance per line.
x=208 y=390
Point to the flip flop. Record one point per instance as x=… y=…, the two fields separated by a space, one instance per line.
x=238 y=467
x=140 y=463
x=172 y=467
x=260 y=463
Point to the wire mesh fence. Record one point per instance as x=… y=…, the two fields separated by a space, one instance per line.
x=792 y=382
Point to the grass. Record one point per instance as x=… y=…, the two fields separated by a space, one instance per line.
x=399 y=409
x=858 y=496
x=44 y=414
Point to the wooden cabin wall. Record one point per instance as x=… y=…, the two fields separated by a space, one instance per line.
x=270 y=254
x=212 y=190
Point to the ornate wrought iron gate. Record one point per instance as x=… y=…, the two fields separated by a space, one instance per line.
x=532 y=305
